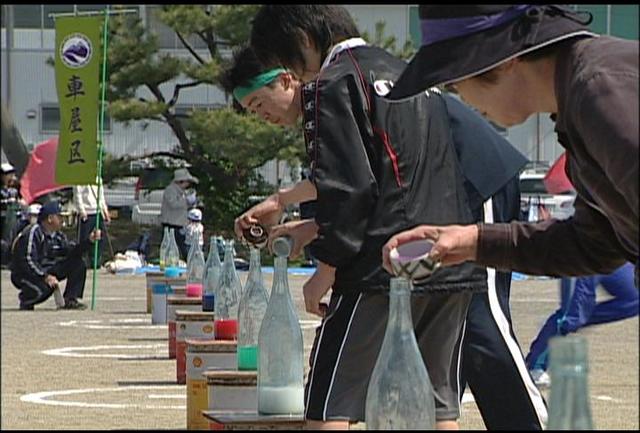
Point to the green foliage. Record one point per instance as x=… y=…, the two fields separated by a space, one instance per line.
x=113 y=168
x=389 y=42
x=227 y=156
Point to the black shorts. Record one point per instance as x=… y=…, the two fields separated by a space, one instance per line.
x=347 y=343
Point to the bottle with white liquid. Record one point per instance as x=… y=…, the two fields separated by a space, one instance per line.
x=280 y=351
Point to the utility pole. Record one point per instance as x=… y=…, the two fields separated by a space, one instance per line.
x=9 y=42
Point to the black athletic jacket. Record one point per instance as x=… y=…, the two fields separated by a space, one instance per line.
x=380 y=167
x=35 y=252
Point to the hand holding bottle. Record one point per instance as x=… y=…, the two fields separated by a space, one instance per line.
x=266 y=213
x=316 y=287
x=301 y=232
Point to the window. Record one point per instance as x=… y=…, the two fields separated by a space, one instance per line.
x=27 y=16
x=51 y=119
x=185 y=109
x=532 y=186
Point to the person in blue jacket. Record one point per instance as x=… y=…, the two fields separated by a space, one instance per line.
x=579 y=309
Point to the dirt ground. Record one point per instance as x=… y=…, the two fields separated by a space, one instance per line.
x=108 y=368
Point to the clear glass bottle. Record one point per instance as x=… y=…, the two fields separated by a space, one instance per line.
x=163 y=248
x=228 y=294
x=195 y=270
x=400 y=395
x=282 y=246
x=280 y=351
x=569 y=405
x=212 y=269
x=251 y=309
x=173 y=254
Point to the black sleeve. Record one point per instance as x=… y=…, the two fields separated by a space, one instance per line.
x=346 y=186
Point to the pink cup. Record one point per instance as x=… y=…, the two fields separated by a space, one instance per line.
x=194 y=290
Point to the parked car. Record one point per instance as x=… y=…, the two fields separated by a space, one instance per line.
x=148 y=194
x=532 y=191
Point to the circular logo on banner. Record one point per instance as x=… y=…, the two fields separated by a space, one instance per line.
x=76 y=50
x=197 y=361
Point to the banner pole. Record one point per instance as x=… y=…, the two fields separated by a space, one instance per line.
x=100 y=149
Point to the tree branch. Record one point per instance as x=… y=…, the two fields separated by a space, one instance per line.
x=190 y=48
x=178 y=88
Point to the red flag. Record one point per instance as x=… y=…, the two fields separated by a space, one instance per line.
x=39 y=176
x=556 y=180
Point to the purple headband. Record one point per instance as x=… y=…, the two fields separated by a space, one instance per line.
x=435 y=30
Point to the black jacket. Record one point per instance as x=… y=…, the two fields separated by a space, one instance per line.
x=34 y=252
x=380 y=167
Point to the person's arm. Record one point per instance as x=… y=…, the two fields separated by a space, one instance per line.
x=269 y=211
x=103 y=204
x=345 y=184
x=302 y=191
x=32 y=253
x=606 y=117
x=581 y=245
x=78 y=202
x=316 y=287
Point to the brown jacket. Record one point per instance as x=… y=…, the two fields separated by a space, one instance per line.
x=596 y=86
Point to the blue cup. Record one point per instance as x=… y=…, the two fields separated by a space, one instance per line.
x=208 y=301
x=172 y=272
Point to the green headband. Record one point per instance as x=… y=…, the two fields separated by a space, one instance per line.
x=257 y=82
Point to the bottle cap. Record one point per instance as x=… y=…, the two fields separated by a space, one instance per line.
x=256 y=235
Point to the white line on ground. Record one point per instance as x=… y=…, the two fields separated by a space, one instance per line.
x=43 y=398
x=176 y=396
x=161 y=349
x=96 y=324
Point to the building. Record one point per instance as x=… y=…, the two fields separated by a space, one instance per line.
x=28 y=83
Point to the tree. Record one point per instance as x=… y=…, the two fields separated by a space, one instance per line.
x=389 y=42
x=224 y=148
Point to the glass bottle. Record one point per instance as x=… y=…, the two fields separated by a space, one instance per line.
x=400 y=395
x=163 y=248
x=173 y=254
x=569 y=406
x=195 y=270
x=228 y=293
x=282 y=246
x=212 y=270
x=253 y=304
x=280 y=351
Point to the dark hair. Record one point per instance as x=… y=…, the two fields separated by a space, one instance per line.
x=244 y=66
x=277 y=29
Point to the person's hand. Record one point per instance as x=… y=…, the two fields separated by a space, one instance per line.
x=452 y=244
x=267 y=213
x=301 y=232
x=191 y=199
x=83 y=216
x=316 y=287
x=106 y=216
x=96 y=234
x=51 y=281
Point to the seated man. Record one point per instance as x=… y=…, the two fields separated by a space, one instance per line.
x=42 y=257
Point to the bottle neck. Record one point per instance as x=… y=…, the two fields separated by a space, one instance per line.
x=255 y=273
x=400 y=308
x=228 y=256
x=280 y=282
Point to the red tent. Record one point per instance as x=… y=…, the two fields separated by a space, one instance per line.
x=40 y=175
x=556 y=180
